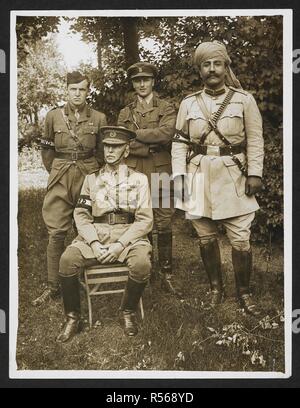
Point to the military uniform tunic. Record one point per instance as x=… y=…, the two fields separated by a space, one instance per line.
x=67 y=175
x=126 y=192
x=224 y=184
x=154 y=125
x=66 y=172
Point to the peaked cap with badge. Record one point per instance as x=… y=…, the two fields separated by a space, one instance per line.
x=142 y=69
x=117 y=135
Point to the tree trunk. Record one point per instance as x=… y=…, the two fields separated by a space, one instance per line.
x=131 y=40
x=36 y=117
x=99 y=51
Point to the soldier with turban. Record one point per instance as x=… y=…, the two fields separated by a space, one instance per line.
x=220 y=137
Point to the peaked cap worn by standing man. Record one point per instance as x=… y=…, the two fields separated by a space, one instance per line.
x=71 y=149
x=219 y=135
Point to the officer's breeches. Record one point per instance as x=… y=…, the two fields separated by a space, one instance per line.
x=162 y=196
x=163 y=219
x=58 y=209
x=138 y=261
x=238 y=230
x=163 y=211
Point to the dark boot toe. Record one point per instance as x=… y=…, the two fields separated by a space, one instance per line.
x=48 y=294
x=70 y=329
x=130 y=324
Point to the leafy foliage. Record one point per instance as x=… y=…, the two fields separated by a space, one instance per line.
x=41 y=85
x=31 y=29
x=269 y=220
x=235 y=336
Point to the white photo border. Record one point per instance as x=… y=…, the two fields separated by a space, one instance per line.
x=14 y=373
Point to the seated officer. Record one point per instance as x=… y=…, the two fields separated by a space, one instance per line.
x=113 y=217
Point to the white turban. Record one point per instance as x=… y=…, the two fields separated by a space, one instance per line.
x=216 y=49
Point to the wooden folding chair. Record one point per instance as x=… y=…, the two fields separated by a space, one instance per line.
x=97 y=276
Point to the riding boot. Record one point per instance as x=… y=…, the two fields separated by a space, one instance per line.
x=55 y=250
x=242 y=265
x=71 y=296
x=129 y=305
x=153 y=241
x=165 y=243
x=210 y=253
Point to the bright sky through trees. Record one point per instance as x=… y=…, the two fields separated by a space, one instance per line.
x=73 y=49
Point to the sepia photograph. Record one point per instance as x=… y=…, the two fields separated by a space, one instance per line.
x=150 y=181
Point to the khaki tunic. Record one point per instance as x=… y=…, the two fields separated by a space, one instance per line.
x=224 y=185
x=104 y=192
x=57 y=137
x=67 y=176
x=156 y=127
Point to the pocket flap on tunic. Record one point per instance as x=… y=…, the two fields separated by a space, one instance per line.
x=60 y=128
x=91 y=130
x=233 y=111
x=196 y=114
x=196 y=160
x=227 y=160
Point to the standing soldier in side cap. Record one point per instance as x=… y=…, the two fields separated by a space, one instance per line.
x=153 y=120
x=113 y=217
x=219 y=132
x=71 y=149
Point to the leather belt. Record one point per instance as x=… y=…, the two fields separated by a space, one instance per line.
x=218 y=150
x=115 y=218
x=74 y=156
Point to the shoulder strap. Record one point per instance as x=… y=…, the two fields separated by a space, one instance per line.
x=133 y=116
x=193 y=94
x=71 y=131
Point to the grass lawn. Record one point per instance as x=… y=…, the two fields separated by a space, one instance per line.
x=177 y=334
